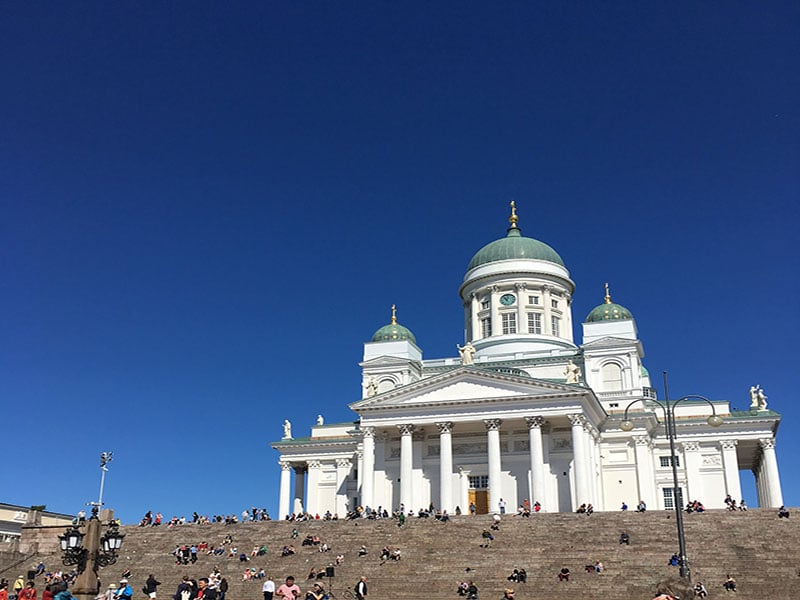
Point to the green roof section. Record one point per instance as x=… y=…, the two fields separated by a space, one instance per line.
x=608 y=311
x=514 y=246
x=393 y=331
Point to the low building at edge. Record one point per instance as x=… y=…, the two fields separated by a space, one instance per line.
x=524 y=413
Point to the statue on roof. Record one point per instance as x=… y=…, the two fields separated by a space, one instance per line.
x=573 y=372
x=467 y=353
x=372 y=388
x=320 y=420
x=758 y=399
x=287 y=430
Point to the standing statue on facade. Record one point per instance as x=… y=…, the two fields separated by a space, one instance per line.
x=466 y=352
x=287 y=430
x=573 y=372
x=372 y=387
x=758 y=399
x=320 y=420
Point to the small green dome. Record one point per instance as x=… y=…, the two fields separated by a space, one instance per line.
x=645 y=372
x=393 y=331
x=513 y=246
x=609 y=311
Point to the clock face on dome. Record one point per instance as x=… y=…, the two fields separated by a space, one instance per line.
x=507 y=299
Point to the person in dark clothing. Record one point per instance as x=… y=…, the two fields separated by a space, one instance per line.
x=151 y=585
x=361 y=588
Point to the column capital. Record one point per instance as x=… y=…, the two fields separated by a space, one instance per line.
x=728 y=444
x=492 y=424
x=767 y=443
x=406 y=429
x=314 y=464
x=690 y=446
x=445 y=427
x=368 y=432
x=534 y=422
x=577 y=419
x=285 y=465
x=343 y=463
x=642 y=440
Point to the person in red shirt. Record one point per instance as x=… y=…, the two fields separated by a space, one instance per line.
x=28 y=593
x=289 y=590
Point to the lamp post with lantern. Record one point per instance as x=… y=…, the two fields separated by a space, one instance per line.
x=90 y=550
x=669 y=424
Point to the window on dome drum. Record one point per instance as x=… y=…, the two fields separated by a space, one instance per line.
x=555 y=326
x=669 y=498
x=485 y=303
x=533 y=299
x=509 y=323
x=535 y=323
x=553 y=303
x=486 y=327
x=666 y=462
x=612 y=377
x=479 y=482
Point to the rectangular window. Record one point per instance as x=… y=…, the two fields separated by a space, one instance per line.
x=485 y=304
x=666 y=462
x=486 y=327
x=533 y=299
x=509 y=323
x=479 y=482
x=669 y=498
x=535 y=323
x=555 y=326
x=554 y=303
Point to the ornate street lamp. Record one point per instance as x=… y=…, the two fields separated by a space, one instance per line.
x=669 y=419
x=88 y=551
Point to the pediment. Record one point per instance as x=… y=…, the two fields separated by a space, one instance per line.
x=608 y=342
x=467 y=385
x=385 y=361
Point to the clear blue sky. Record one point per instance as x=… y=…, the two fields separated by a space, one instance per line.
x=207 y=209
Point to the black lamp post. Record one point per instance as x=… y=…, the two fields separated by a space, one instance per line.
x=88 y=550
x=669 y=423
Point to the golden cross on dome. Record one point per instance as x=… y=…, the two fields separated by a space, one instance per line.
x=608 y=296
x=394 y=315
x=513 y=218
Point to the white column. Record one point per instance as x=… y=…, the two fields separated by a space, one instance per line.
x=343 y=466
x=730 y=464
x=473 y=318
x=591 y=472
x=284 y=497
x=579 y=458
x=694 y=483
x=463 y=475
x=773 y=480
x=495 y=467
x=644 y=471
x=312 y=493
x=299 y=488
x=537 y=459
x=758 y=474
x=406 y=465
x=522 y=320
x=446 y=466
x=368 y=476
x=546 y=326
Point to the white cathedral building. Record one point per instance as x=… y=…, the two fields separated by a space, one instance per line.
x=524 y=413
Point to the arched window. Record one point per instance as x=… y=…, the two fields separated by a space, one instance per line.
x=612 y=377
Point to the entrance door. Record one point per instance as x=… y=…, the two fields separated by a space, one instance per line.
x=481 y=500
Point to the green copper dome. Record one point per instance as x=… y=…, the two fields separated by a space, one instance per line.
x=609 y=311
x=514 y=245
x=393 y=331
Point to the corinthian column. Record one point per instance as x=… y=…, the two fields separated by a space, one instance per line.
x=579 y=457
x=730 y=463
x=537 y=459
x=770 y=470
x=284 y=494
x=368 y=460
x=495 y=468
x=406 y=464
x=445 y=466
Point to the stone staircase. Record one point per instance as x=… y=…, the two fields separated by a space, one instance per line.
x=761 y=551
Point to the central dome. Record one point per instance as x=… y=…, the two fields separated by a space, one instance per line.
x=514 y=246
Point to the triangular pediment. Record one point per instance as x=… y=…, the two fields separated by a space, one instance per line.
x=466 y=385
x=607 y=342
x=385 y=361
